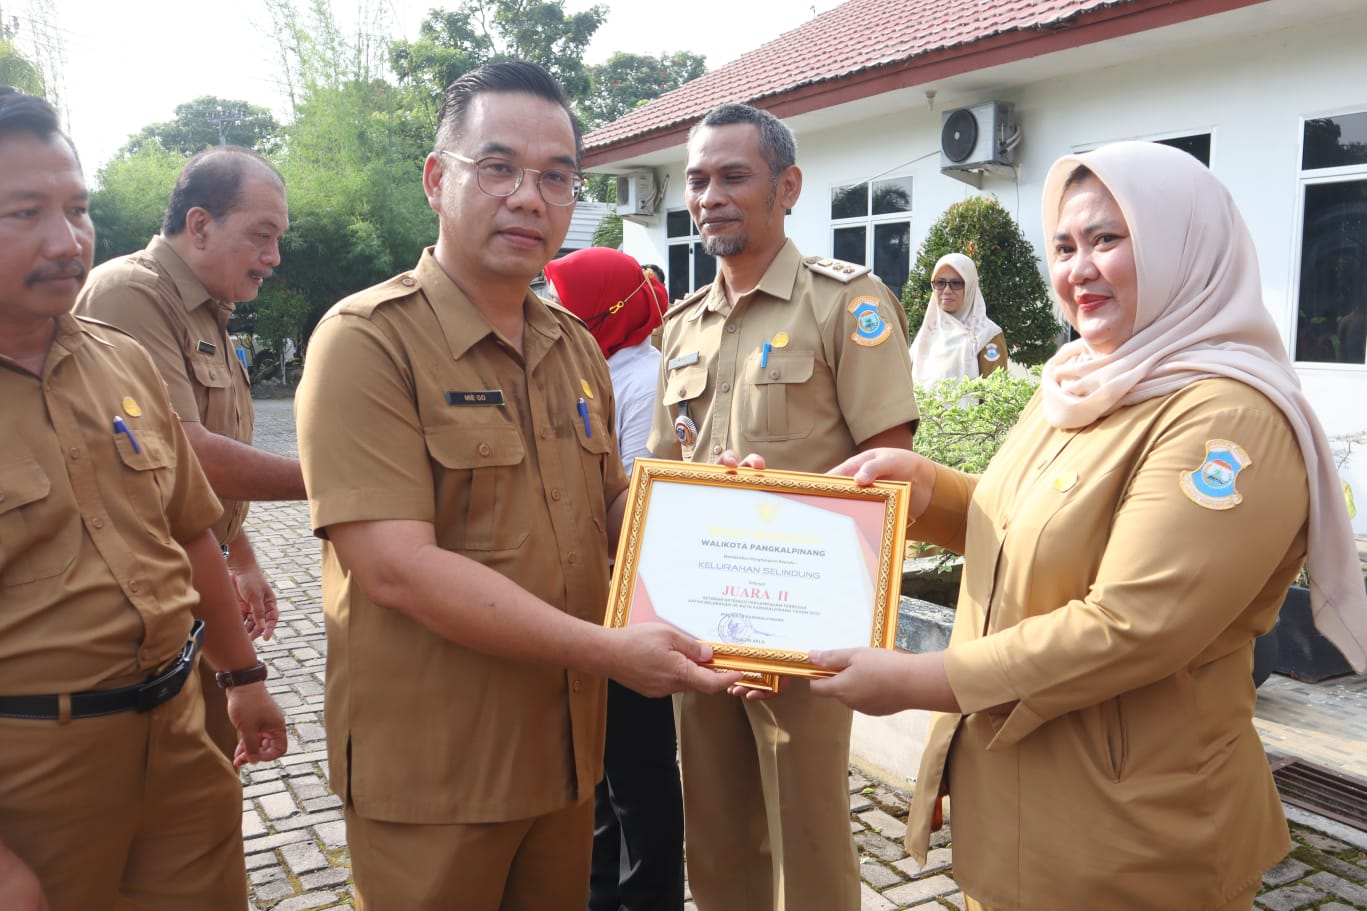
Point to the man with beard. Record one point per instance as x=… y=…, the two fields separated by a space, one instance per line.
x=804 y=362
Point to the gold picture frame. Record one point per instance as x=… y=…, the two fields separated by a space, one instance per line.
x=763 y=565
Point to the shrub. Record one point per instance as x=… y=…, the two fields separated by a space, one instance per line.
x=967 y=437
x=1008 y=275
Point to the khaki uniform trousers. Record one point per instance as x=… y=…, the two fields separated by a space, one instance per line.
x=536 y=864
x=767 y=802
x=130 y=812
x=1241 y=902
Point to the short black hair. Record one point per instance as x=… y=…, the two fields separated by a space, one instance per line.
x=21 y=112
x=776 y=142
x=212 y=180
x=507 y=77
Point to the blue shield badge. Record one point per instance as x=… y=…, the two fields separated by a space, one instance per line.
x=1212 y=484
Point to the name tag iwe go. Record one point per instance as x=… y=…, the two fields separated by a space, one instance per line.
x=475 y=397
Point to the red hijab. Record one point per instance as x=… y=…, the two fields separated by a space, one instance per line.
x=619 y=301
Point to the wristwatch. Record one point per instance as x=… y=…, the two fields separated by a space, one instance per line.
x=254 y=674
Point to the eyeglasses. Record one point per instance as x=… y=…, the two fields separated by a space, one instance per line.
x=953 y=284
x=500 y=177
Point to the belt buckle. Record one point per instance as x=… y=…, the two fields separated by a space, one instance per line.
x=167 y=684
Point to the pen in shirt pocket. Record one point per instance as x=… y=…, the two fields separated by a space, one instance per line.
x=121 y=427
x=583 y=410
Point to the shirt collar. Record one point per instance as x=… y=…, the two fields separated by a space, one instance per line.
x=778 y=280
x=189 y=288
x=463 y=325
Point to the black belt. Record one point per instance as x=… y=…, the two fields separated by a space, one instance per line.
x=140 y=697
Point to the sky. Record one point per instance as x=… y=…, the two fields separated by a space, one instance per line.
x=129 y=63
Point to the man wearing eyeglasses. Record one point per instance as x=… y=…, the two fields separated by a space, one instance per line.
x=457 y=439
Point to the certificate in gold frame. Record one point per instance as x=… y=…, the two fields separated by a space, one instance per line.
x=775 y=547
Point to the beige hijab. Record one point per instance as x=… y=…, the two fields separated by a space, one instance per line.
x=1201 y=314
x=947 y=344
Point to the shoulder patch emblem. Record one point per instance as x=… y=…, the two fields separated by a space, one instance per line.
x=991 y=352
x=1212 y=484
x=870 y=328
x=835 y=268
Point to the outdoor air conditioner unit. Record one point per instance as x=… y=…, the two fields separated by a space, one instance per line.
x=636 y=194
x=978 y=137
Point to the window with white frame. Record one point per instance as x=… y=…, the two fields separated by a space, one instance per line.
x=871 y=225
x=1331 y=298
x=690 y=267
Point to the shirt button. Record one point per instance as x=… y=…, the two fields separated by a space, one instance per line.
x=716 y=449
x=773 y=374
x=484 y=449
x=572 y=558
x=75 y=452
x=574 y=685
x=406 y=280
x=725 y=387
x=555 y=494
x=731 y=327
x=545 y=433
x=135 y=586
x=97 y=522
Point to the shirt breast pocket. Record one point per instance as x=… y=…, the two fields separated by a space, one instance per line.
x=216 y=401
x=684 y=386
x=778 y=407
x=480 y=487
x=38 y=538
x=594 y=453
x=148 y=479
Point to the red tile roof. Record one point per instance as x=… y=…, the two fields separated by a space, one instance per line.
x=862 y=36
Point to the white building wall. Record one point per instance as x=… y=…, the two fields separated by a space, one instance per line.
x=1250 y=94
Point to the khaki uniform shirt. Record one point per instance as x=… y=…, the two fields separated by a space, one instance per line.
x=94 y=590
x=1102 y=652
x=153 y=296
x=837 y=372
x=412 y=407
x=992 y=356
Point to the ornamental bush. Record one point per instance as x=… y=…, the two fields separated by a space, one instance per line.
x=1008 y=275
x=966 y=437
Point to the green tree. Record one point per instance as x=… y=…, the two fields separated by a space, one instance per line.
x=17 y=70
x=209 y=121
x=451 y=43
x=1008 y=275
x=609 y=232
x=352 y=161
x=627 y=81
x=131 y=194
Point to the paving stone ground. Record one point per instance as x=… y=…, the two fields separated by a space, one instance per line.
x=296 y=842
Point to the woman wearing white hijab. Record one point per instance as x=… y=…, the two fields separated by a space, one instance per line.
x=956 y=340
x=1136 y=532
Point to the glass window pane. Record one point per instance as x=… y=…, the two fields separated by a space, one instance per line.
x=1332 y=307
x=678 y=271
x=850 y=202
x=890 y=196
x=1331 y=142
x=679 y=224
x=1197 y=146
x=848 y=244
x=892 y=254
x=704 y=267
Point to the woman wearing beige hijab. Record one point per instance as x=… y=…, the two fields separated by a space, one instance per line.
x=1136 y=532
x=956 y=340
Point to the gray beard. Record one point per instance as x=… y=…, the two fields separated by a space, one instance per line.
x=725 y=246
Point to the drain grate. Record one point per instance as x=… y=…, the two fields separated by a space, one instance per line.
x=1326 y=792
